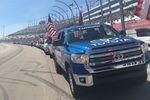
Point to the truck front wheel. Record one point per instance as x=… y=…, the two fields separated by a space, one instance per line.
x=142 y=79
x=77 y=91
x=57 y=67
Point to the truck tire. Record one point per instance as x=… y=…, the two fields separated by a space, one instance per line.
x=77 y=91
x=50 y=55
x=143 y=78
x=57 y=67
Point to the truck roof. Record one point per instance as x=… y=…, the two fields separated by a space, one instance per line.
x=79 y=26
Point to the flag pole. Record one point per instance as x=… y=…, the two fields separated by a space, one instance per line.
x=110 y=13
x=122 y=15
x=89 y=17
x=69 y=9
x=102 y=15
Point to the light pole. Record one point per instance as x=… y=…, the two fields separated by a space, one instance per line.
x=54 y=17
x=89 y=17
x=68 y=7
x=110 y=12
x=77 y=5
x=102 y=15
x=63 y=11
x=80 y=10
x=58 y=13
x=122 y=15
x=76 y=10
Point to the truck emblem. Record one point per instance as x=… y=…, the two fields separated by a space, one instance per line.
x=118 y=57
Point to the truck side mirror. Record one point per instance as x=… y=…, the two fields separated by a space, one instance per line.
x=123 y=32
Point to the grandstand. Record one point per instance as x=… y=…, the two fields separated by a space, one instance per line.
x=41 y=27
x=37 y=29
x=96 y=13
x=131 y=21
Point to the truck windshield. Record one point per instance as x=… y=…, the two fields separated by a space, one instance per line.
x=143 y=32
x=91 y=33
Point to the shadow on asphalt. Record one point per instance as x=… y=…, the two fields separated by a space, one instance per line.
x=119 y=91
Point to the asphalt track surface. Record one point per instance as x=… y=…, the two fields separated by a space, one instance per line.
x=26 y=73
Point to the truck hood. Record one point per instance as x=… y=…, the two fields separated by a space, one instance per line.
x=83 y=46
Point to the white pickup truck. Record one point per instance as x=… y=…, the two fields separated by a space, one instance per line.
x=142 y=34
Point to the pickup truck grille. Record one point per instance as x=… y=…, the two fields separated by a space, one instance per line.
x=114 y=57
x=111 y=57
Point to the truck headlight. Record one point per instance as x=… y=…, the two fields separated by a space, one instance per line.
x=79 y=58
x=144 y=47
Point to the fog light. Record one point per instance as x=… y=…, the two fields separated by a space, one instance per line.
x=82 y=80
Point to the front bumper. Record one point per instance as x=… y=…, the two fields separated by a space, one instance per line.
x=129 y=70
x=110 y=76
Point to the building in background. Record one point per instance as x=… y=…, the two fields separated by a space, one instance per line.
x=101 y=14
x=97 y=11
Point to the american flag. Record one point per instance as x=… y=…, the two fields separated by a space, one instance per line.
x=51 y=28
x=81 y=19
x=143 y=9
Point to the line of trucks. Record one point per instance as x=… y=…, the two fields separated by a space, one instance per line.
x=95 y=54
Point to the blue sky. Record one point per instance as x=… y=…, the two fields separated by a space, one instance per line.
x=17 y=14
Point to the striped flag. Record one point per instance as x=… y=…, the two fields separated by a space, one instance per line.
x=51 y=28
x=143 y=9
x=81 y=19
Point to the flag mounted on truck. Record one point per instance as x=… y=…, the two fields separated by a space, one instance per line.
x=143 y=9
x=51 y=28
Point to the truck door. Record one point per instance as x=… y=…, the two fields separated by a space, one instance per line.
x=59 y=51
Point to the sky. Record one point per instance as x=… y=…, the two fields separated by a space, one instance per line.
x=18 y=14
